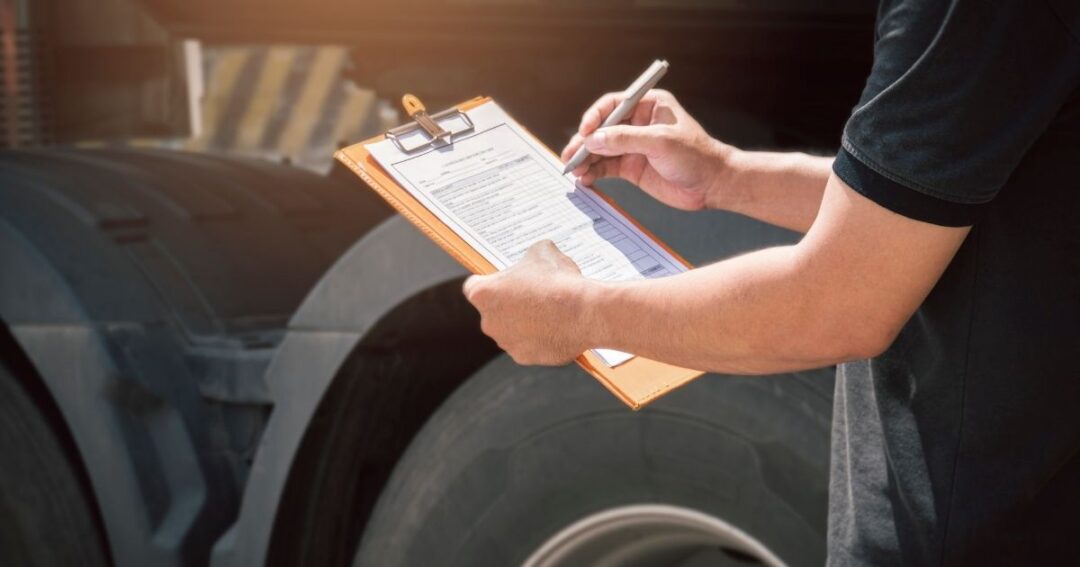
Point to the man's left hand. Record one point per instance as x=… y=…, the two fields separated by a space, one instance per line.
x=534 y=309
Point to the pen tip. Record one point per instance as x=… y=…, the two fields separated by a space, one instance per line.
x=566 y=170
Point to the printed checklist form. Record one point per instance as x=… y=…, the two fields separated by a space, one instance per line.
x=502 y=191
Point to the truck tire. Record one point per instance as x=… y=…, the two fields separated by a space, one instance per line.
x=543 y=467
x=45 y=516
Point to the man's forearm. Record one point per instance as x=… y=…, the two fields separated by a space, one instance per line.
x=783 y=189
x=842 y=293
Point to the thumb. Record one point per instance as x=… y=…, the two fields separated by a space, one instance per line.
x=545 y=252
x=470 y=285
x=543 y=249
x=626 y=139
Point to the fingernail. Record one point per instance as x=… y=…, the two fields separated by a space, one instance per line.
x=597 y=141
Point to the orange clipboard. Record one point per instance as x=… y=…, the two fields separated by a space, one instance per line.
x=636 y=382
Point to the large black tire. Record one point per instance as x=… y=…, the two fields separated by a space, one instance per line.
x=518 y=454
x=45 y=517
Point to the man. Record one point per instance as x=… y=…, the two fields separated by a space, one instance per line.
x=940 y=267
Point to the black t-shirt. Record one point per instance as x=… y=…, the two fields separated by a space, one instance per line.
x=961 y=443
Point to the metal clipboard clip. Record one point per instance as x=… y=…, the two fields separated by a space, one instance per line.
x=411 y=137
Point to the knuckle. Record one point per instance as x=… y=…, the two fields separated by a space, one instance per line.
x=517 y=357
x=480 y=295
x=596 y=111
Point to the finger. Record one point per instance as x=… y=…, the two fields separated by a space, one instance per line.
x=549 y=252
x=595 y=115
x=567 y=262
x=542 y=253
x=606 y=167
x=581 y=169
x=605 y=105
x=542 y=250
x=643 y=112
x=584 y=167
x=532 y=254
x=472 y=283
x=668 y=99
x=622 y=139
x=572 y=147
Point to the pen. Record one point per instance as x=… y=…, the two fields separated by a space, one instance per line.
x=634 y=92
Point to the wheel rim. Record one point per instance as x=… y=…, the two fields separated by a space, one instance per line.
x=644 y=535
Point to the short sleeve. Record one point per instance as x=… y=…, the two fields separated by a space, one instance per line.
x=938 y=140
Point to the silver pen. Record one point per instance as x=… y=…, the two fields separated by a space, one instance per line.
x=634 y=92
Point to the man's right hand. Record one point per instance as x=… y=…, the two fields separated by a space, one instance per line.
x=662 y=149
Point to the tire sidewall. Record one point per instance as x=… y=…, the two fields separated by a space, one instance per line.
x=518 y=453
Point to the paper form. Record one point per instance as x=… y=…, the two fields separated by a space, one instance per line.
x=502 y=191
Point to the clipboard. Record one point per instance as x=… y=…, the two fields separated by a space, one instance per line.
x=635 y=382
